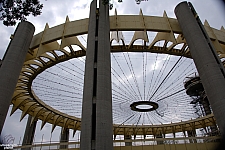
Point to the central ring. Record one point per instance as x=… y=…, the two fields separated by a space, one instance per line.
x=136 y=106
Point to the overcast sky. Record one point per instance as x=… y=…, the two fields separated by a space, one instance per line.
x=55 y=11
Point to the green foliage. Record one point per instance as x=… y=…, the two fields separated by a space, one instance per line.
x=105 y=2
x=13 y=10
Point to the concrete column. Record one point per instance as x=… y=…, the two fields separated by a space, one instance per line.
x=209 y=66
x=159 y=142
x=64 y=137
x=29 y=133
x=104 y=90
x=12 y=64
x=192 y=134
x=96 y=127
x=128 y=137
x=88 y=124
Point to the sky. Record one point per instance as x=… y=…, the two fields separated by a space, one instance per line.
x=55 y=11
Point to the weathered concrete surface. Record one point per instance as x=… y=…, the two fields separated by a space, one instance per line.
x=104 y=139
x=29 y=132
x=96 y=127
x=86 y=126
x=210 y=68
x=64 y=137
x=12 y=64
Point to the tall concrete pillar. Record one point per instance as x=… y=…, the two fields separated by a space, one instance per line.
x=209 y=66
x=128 y=137
x=29 y=132
x=11 y=65
x=96 y=127
x=88 y=124
x=192 y=133
x=159 y=142
x=64 y=137
x=104 y=128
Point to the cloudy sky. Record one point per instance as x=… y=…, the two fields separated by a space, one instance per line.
x=55 y=11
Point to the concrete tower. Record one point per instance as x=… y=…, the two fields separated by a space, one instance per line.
x=96 y=127
x=11 y=65
x=29 y=132
x=209 y=66
x=64 y=137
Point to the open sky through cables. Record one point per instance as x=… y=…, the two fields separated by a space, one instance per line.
x=141 y=76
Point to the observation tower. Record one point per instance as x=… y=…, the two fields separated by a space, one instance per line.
x=139 y=93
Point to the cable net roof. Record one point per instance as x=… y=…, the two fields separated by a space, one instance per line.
x=136 y=76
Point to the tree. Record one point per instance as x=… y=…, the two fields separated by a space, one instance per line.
x=108 y=2
x=13 y=10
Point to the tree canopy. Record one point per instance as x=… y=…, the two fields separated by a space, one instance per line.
x=13 y=10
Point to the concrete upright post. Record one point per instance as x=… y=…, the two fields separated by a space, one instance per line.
x=128 y=137
x=11 y=65
x=159 y=142
x=88 y=112
x=64 y=137
x=209 y=66
x=104 y=122
x=29 y=132
x=96 y=127
x=192 y=133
